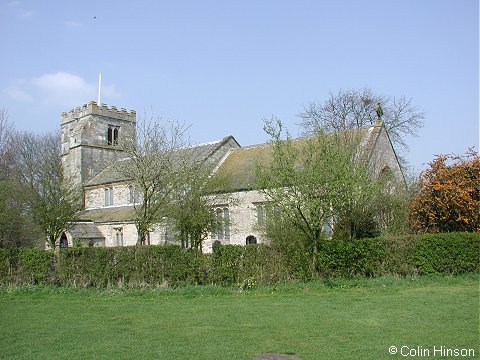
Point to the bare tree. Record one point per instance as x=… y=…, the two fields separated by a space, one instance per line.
x=6 y=136
x=356 y=108
x=155 y=167
x=16 y=224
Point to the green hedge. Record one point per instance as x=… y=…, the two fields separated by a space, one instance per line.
x=139 y=266
x=446 y=253
x=352 y=257
x=25 y=267
x=243 y=266
x=248 y=265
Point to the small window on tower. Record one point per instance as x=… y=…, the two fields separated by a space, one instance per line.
x=112 y=135
x=115 y=136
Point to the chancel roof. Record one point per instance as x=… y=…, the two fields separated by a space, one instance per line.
x=240 y=165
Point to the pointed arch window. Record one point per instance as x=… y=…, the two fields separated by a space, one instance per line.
x=118 y=236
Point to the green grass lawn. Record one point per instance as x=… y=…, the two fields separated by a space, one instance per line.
x=345 y=319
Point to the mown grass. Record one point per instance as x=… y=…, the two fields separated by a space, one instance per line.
x=331 y=319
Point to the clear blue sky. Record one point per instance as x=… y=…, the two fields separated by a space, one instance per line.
x=223 y=66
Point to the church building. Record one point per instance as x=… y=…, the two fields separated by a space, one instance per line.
x=89 y=137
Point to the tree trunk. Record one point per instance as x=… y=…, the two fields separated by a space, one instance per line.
x=141 y=235
x=315 y=252
x=52 y=241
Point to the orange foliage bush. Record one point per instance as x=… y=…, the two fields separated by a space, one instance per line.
x=449 y=195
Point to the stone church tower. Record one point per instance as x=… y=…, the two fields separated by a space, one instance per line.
x=90 y=135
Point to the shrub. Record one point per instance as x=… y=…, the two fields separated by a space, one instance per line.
x=34 y=266
x=448 y=253
x=448 y=198
x=263 y=264
x=133 y=266
x=85 y=266
x=399 y=255
x=20 y=266
x=8 y=259
x=291 y=247
x=226 y=264
x=353 y=257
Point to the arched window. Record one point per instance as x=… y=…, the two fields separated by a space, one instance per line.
x=251 y=240
x=112 y=135
x=387 y=180
x=118 y=236
x=63 y=241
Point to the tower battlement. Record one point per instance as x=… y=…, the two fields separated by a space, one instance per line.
x=103 y=110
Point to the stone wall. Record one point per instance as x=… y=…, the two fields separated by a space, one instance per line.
x=383 y=156
x=95 y=196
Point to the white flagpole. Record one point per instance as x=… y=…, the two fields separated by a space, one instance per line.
x=99 y=87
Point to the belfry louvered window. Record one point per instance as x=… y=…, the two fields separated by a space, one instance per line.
x=112 y=135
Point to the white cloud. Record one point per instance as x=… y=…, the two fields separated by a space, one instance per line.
x=63 y=88
x=60 y=88
x=19 y=10
x=72 y=24
x=18 y=95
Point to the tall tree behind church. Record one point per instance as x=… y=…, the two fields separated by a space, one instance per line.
x=356 y=108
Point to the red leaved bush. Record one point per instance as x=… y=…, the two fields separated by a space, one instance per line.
x=449 y=195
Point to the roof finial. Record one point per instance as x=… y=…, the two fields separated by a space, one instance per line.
x=379 y=111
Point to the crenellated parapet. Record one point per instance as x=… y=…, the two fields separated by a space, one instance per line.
x=92 y=108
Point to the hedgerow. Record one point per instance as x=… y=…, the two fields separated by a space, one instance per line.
x=243 y=266
x=25 y=266
x=447 y=253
